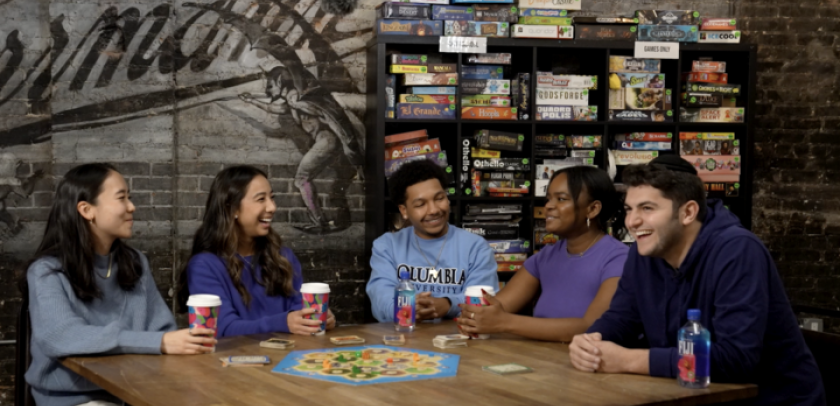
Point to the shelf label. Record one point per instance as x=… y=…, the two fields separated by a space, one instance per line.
x=657 y=50
x=472 y=45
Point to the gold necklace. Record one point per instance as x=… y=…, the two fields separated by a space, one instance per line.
x=568 y=254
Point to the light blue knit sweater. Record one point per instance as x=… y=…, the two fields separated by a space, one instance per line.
x=62 y=325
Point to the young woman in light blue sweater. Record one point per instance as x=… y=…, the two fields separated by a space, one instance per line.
x=90 y=293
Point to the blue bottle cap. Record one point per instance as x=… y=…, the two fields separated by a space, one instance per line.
x=694 y=314
x=404 y=275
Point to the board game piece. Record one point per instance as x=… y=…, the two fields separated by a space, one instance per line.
x=245 y=361
x=507 y=369
x=345 y=340
x=390 y=360
x=394 y=339
x=326 y=364
x=278 y=343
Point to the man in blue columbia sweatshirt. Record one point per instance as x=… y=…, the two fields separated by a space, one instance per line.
x=693 y=255
x=441 y=259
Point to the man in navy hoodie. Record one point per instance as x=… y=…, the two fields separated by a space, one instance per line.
x=693 y=255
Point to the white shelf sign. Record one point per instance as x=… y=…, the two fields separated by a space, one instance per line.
x=472 y=45
x=657 y=50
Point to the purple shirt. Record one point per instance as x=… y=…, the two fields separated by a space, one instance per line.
x=570 y=282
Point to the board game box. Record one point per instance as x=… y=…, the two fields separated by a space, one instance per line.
x=505 y=141
x=408 y=59
x=668 y=17
x=605 y=20
x=537 y=12
x=417 y=28
x=721 y=136
x=640 y=80
x=708 y=66
x=393 y=165
x=720 y=88
x=408 y=150
x=547 y=79
x=668 y=33
x=501 y=164
x=642 y=115
x=390 y=96
x=710 y=147
x=692 y=99
x=712 y=115
x=550 y=139
x=485 y=86
x=720 y=37
x=634 y=157
x=627 y=64
x=610 y=32
x=640 y=99
x=476 y=29
x=567 y=113
x=406 y=138
x=485 y=100
x=521 y=94
x=562 y=97
x=457 y=13
x=583 y=141
x=539 y=31
x=432 y=90
x=551 y=4
x=499 y=13
x=442 y=68
x=429 y=79
x=642 y=146
x=488 y=113
x=718 y=24
x=408 y=69
x=645 y=137
x=425 y=111
x=492 y=58
x=403 y=11
x=482 y=72
x=510 y=246
x=716 y=169
x=706 y=77
x=545 y=20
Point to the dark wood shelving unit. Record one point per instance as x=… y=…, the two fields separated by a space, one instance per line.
x=532 y=55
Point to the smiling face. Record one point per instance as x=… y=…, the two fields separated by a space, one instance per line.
x=561 y=217
x=651 y=219
x=427 y=207
x=111 y=216
x=255 y=210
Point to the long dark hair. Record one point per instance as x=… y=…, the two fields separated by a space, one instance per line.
x=218 y=235
x=69 y=239
x=600 y=188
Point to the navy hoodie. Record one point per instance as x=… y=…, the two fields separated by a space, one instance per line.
x=729 y=275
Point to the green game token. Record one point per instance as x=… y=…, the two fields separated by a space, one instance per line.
x=668 y=92
x=468 y=191
x=662 y=77
x=526 y=244
x=633 y=29
x=506 y=85
x=424 y=58
x=669 y=135
x=513 y=10
x=448 y=169
x=441 y=155
x=732 y=21
x=584 y=93
x=521 y=137
x=511 y=267
x=693 y=29
x=527 y=183
x=670 y=113
x=513 y=110
x=694 y=100
x=452 y=191
x=451 y=98
x=736 y=143
x=525 y=161
x=452 y=106
x=737 y=34
x=469 y=10
x=696 y=14
x=635 y=21
x=499 y=70
x=737 y=185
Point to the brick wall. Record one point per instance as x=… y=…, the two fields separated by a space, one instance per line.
x=169 y=145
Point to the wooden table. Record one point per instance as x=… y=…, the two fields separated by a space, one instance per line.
x=201 y=380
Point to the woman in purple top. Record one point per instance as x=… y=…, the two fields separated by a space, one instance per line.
x=237 y=256
x=578 y=275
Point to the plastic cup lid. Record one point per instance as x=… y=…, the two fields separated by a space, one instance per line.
x=475 y=291
x=204 y=301
x=314 y=288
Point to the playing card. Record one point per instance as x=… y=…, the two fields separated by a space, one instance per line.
x=507 y=369
x=278 y=343
x=346 y=340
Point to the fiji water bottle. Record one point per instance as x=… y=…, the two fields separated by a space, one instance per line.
x=404 y=304
x=695 y=348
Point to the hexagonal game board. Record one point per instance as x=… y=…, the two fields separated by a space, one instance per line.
x=368 y=364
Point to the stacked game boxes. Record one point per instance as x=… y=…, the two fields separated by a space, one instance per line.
x=408 y=18
x=430 y=91
x=499 y=224
x=668 y=25
x=719 y=31
x=637 y=90
x=708 y=97
x=487 y=95
x=605 y=28
x=565 y=97
x=487 y=173
x=717 y=158
x=640 y=147
x=411 y=146
x=580 y=150
x=549 y=21
x=476 y=20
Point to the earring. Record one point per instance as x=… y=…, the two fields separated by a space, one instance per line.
x=236 y=217
x=587 y=223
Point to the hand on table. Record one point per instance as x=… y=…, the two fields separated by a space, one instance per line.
x=330 y=320
x=300 y=324
x=483 y=319
x=429 y=307
x=186 y=341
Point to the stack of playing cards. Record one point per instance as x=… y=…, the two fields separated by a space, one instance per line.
x=394 y=340
x=278 y=343
x=451 y=341
x=347 y=340
x=245 y=361
x=507 y=369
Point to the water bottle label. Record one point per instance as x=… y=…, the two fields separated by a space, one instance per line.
x=694 y=361
x=404 y=310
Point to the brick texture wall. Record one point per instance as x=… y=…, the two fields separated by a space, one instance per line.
x=172 y=124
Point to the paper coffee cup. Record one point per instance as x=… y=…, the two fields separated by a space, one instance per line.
x=204 y=313
x=475 y=297
x=316 y=295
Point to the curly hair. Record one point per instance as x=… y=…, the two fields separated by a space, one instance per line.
x=678 y=187
x=411 y=174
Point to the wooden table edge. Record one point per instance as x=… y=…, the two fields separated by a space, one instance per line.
x=76 y=364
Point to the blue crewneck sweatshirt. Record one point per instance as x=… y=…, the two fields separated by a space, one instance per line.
x=121 y=322
x=729 y=275
x=465 y=260
x=207 y=274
